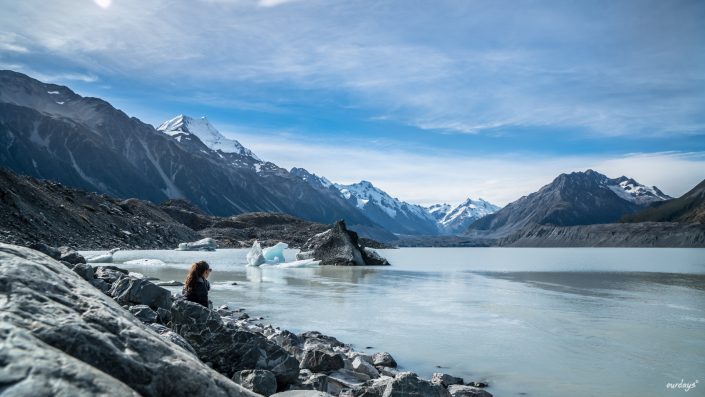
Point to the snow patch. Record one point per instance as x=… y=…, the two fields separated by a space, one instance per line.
x=53 y=92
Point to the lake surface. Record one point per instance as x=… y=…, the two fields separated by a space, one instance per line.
x=532 y=322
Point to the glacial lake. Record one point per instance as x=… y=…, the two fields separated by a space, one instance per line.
x=530 y=322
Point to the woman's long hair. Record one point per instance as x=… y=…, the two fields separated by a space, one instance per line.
x=197 y=270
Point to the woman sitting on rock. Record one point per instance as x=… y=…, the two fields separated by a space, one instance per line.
x=196 y=286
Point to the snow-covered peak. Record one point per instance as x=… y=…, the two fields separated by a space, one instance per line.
x=208 y=134
x=312 y=179
x=365 y=192
x=631 y=190
x=458 y=218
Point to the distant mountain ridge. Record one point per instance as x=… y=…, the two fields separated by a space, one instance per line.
x=399 y=216
x=578 y=198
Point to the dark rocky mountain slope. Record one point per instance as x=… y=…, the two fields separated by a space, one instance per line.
x=689 y=208
x=48 y=212
x=48 y=131
x=578 y=198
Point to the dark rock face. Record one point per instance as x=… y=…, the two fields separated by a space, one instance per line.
x=135 y=291
x=56 y=326
x=338 y=247
x=70 y=255
x=258 y=380
x=144 y=313
x=171 y=336
x=228 y=348
x=321 y=361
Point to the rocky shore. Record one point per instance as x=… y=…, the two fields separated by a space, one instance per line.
x=42 y=211
x=69 y=328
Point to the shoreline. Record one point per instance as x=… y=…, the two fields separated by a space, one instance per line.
x=309 y=361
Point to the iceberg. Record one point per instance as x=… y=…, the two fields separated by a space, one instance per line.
x=103 y=258
x=275 y=254
x=206 y=244
x=255 y=256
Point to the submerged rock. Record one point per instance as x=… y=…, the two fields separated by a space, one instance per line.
x=205 y=244
x=61 y=336
x=338 y=247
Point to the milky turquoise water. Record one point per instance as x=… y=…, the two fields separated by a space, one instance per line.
x=534 y=322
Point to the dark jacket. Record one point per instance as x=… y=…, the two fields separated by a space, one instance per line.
x=199 y=292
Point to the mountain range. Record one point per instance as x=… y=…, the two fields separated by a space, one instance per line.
x=578 y=198
x=48 y=131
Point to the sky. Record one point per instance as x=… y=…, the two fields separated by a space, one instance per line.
x=432 y=101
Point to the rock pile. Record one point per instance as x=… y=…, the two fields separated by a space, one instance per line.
x=60 y=335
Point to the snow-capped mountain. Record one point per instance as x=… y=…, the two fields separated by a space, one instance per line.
x=578 y=198
x=208 y=134
x=631 y=190
x=391 y=213
x=452 y=220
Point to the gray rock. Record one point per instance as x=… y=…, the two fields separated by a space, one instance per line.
x=384 y=359
x=374 y=387
x=171 y=336
x=61 y=336
x=163 y=315
x=52 y=252
x=373 y=258
x=289 y=342
x=128 y=290
x=362 y=366
x=337 y=247
x=205 y=244
x=228 y=348
x=311 y=381
x=303 y=255
x=388 y=371
x=321 y=361
x=144 y=313
x=315 y=339
x=407 y=384
x=109 y=274
x=171 y=283
x=344 y=379
x=445 y=379
x=100 y=284
x=70 y=255
x=33 y=368
x=467 y=391
x=302 y=393
x=259 y=381
x=84 y=270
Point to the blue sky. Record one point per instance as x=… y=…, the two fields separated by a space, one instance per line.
x=430 y=100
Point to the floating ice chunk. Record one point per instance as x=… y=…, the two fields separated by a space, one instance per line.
x=275 y=254
x=295 y=264
x=206 y=244
x=255 y=256
x=103 y=258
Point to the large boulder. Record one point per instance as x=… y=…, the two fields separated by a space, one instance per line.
x=61 y=336
x=384 y=359
x=446 y=380
x=109 y=273
x=228 y=348
x=339 y=247
x=71 y=256
x=138 y=291
x=321 y=361
x=259 y=381
x=408 y=384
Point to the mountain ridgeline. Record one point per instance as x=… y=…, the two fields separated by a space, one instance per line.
x=47 y=131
